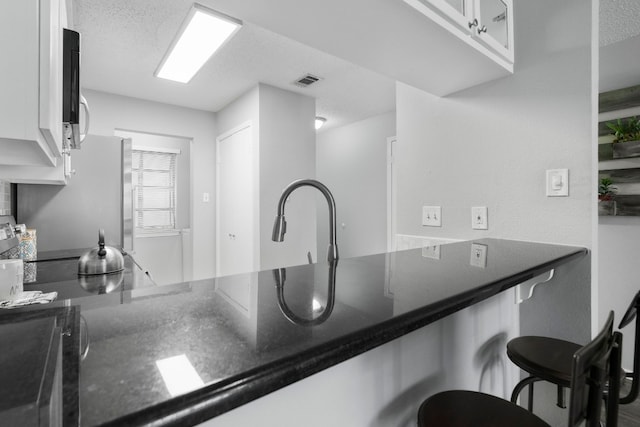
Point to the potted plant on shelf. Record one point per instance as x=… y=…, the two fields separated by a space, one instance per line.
x=606 y=197
x=626 y=133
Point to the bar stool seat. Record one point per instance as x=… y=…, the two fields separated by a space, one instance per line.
x=459 y=408
x=592 y=366
x=550 y=359
x=543 y=357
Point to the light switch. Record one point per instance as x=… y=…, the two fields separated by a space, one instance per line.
x=557 y=182
x=432 y=216
x=205 y=197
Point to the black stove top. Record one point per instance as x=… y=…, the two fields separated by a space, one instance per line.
x=47 y=271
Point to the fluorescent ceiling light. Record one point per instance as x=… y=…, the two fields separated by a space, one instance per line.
x=201 y=34
x=319 y=122
x=179 y=375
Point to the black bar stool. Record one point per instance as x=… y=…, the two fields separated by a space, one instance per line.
x=593 y=365
x=550 y=359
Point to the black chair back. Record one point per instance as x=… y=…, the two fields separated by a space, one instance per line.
x=632 y=313
x=594 y=366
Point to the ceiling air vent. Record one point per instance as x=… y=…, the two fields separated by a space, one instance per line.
x=306 y=80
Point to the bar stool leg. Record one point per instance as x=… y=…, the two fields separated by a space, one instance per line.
x=520 y=386
x=561 y=403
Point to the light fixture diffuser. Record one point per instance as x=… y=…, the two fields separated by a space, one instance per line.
x=202 y=33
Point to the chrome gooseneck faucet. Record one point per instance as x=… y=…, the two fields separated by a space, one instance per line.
x=280 y=225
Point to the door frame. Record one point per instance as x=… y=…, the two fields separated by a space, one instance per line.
x=392 y=186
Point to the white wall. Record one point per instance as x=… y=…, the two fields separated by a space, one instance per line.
x=287 y=153
x=243 y=109
x=619 y=65
x=283 y=126
x=352 y=161
x=69 y=217
x=490 y=146
x=110 y=112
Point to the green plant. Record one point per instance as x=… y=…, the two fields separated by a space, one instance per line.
x=625 y=130
x=606 y=189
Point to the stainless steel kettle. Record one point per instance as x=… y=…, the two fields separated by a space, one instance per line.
x=101 y=260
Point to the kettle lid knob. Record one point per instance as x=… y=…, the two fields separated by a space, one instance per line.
x=102 y=251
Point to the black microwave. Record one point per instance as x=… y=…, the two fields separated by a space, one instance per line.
x=71 y=97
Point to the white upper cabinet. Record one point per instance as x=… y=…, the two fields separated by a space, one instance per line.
x=487 y=25
x=31 y=132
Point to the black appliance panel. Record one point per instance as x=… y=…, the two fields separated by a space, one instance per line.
x=71 y=77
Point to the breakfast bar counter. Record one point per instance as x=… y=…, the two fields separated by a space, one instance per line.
x=185 y=353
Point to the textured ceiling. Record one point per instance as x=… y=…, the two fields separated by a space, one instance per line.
x=619 y=20
x=619 y=44
x=123 y=41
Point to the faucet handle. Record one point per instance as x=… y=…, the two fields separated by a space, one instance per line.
x=279 y=228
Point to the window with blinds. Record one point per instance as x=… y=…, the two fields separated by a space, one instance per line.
x=154 y=184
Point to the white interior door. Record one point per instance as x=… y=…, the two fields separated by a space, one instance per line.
x=235 y=202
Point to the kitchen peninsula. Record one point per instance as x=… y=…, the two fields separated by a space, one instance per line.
x=236 y=335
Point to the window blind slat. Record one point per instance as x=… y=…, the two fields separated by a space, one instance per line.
x=154 y=178
x=157 y=179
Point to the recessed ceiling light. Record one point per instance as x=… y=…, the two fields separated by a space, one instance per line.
x=202 y=33
x=319 y=122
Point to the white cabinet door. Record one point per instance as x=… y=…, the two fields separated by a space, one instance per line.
x=50 y=97
x=455 y=13
x=495 y=25
x=31 y=86
x=459 y=12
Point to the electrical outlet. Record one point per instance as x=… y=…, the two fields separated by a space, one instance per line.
x=479 y=220
x=432 y=216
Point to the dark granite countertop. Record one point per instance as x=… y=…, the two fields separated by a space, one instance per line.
x=251 y=334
